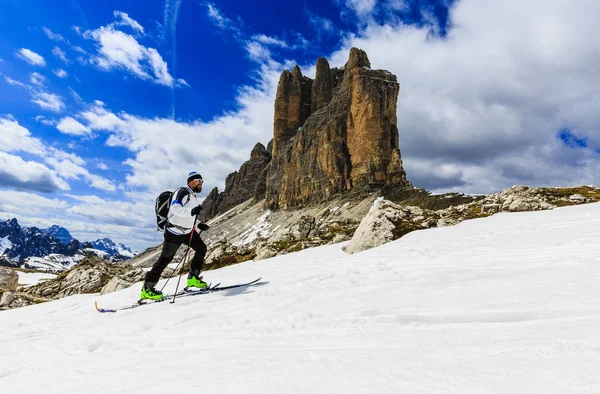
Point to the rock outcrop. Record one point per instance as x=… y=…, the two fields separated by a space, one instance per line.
x=240 y=185
x=9 y=279
x=338 y=136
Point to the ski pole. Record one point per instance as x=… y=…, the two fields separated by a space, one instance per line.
x=184 y=257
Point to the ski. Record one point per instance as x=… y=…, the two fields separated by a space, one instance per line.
x=183 y=293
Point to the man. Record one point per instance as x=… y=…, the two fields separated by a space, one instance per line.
x=185 y=206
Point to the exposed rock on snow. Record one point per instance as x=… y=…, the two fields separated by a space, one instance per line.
x=9 y=279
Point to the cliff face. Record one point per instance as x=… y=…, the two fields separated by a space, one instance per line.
x=341 y=137
x=241 y=185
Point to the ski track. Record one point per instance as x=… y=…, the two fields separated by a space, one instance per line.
x=509 y=303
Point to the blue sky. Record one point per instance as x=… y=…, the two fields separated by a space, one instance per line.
x=103 y=104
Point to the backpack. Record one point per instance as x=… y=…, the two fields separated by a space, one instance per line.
x=163 y=202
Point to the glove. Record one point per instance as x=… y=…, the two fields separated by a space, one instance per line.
x=196 y=210
x=203 y=226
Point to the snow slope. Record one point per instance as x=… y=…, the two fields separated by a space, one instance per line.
x=509 y=304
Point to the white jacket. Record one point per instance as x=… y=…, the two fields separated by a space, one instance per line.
x=180 y=216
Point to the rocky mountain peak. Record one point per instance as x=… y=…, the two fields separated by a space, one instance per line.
x=348 y=142
x=357 y=58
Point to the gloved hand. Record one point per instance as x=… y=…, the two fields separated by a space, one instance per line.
x=196 y=210
x=203 y=226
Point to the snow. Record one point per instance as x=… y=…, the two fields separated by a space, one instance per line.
x=53 y=262
x=261 y=229
x=32 y=278
x=509 y=303
x=5 y=244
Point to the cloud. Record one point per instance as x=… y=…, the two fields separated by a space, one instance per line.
x=13 y=82
x=28 y=175
x=123 y=19
x=70 y=166
x=49 y=101
x=118 y=50
x=267 y=40
x=59 y=72
x=60 y=54
x=102 y=166
x=28 y=203
x=322 y=25
x=53 y=36
x=361 y=8
x=31 y=57
x=71 y=126
x=14 y=138
x=37 y=79
x=43 y=120
x=490 y=98
x=221 y=21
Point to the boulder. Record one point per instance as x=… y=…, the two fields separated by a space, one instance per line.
x=9 y=279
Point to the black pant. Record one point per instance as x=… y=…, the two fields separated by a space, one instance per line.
x=170 y=246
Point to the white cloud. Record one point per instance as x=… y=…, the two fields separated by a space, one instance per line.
x=59 y=72
x=123 y=19
x=71 y=126
x=72 y=168
x=118 y=50
x=321 y=24
x=267 y=40
x=49 y=101
x=20 y=174
x=14 y=137
x=258 y=52
x=75 y=95
x=31 y=57
x=182 y=82
x=43 y=120
x=51 y=35
x=37 y=79
x=221 y=21
x=79 y=49
x=100 y=119
x=60 y=54
x=362 y=8
x=13 y=82
x=102 y=166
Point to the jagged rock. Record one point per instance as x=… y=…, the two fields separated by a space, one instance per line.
x=240 y=185
x=9 y=279
x=385 y=222
x=519 y=199
x=123 y=281
x=7 y=298
x=89 y=276
x=264 y=251
x=322 y=87
x=303 y=228
x=357 y=58
x=578 y=199
x=350 y=143
x=210 y=205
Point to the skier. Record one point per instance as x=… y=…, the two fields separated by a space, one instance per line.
x=183 y=211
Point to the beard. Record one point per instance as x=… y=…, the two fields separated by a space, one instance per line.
x=197 y=188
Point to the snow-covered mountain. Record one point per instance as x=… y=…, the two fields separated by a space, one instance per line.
x=112 y=248
x=503 y=304
x=61 y=233
x=53 y=248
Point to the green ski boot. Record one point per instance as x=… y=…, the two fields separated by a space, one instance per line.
x=196 y=281
x=150 y=293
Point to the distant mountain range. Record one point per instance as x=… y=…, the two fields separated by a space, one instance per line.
x=53 y=248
